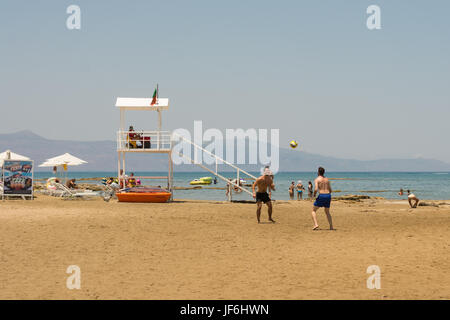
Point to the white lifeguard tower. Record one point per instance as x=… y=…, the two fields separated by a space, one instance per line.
x=156 y=141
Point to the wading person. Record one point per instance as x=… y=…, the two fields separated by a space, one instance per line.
x=263 y=183
x=310 y=190
x=291 y=190
x=323 y=187
x=300 y=189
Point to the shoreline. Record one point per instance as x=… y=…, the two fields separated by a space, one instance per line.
x=384 y=185
x=38 y=187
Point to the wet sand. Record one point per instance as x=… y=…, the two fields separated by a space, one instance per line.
x=216 y=250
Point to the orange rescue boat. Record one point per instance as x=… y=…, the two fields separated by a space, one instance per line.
x=143 y=194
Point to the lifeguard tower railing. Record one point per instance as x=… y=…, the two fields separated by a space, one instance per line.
x=162 y=141
x=144 y=141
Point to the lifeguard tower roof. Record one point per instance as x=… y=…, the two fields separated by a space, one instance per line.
x=142 y=104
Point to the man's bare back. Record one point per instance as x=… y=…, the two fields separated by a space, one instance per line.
x=322 y=185
x=323 y=200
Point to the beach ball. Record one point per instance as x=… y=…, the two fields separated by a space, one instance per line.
x=293 y=144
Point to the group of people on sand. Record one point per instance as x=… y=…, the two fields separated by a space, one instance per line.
x=300 y=188
x=264 y=185
x=130 y=181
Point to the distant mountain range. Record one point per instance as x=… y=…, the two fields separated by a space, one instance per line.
x=102 y=156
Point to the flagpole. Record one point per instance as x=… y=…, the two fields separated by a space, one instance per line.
x=159 y=115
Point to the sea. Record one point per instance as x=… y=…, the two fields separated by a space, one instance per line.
x=425 y=185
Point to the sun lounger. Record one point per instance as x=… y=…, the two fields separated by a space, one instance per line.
x=109 y=192
x=67 y=193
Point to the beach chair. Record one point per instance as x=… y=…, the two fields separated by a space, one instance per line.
x=67 y=193
x=51 y=189
x=109 y=192
x=52 y=192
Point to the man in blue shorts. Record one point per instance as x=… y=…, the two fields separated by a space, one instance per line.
x=322 y=185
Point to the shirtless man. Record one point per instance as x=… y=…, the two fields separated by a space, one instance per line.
x=322 y=185
x=263 y=183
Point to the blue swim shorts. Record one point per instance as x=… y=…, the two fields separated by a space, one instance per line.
x=323 y=200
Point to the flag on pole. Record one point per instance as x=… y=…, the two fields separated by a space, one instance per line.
x=155 y=96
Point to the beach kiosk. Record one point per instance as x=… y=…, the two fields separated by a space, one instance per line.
x=138 y=142
x=16 y=175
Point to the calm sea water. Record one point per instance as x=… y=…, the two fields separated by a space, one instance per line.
x=383 y=184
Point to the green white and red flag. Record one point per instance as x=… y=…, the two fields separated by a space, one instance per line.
x=155 y=96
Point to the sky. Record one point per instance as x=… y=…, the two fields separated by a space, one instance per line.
x=309 y=68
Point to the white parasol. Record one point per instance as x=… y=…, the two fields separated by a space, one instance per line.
x=9 y=155
x=65 y=159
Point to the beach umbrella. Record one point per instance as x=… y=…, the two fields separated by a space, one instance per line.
x=9 y=155
x=64 y=160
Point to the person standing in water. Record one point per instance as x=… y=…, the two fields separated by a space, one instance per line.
x=323 y=187
x=263 y=183
x=300 y=189
x=310 y=190
x=291 y=190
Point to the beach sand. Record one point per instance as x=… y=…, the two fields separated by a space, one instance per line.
x=216 y=250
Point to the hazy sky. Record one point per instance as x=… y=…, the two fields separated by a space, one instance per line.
x=310 y=68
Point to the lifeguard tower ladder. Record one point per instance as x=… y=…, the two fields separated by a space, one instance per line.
x=159 y=141
x=156 y=141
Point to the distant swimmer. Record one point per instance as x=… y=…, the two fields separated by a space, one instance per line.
x=300 y=189
x=411 y=198
x=322 y=185
x=291 y=190
x=263 y=183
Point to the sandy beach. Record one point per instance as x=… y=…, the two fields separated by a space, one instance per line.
x=216 y=250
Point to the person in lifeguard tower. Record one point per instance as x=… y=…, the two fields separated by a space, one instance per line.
x=134 y=139
x=131 y=138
